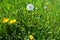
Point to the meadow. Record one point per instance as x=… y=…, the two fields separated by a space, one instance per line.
x=18 y=23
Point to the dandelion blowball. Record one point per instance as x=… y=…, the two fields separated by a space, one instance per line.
x=30 y=7
x=45 y=7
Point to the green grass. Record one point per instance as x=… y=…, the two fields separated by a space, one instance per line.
x=43 y=24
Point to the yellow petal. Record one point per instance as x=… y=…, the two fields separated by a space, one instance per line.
x=12 y=21
x=5 y=20
x=31 y=37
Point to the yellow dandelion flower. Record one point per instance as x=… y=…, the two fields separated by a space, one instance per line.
x=31 y=37
x=12 y=21
x=5 y=20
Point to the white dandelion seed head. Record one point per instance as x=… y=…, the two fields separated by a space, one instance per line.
x=45 y=7
x=30 y=7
